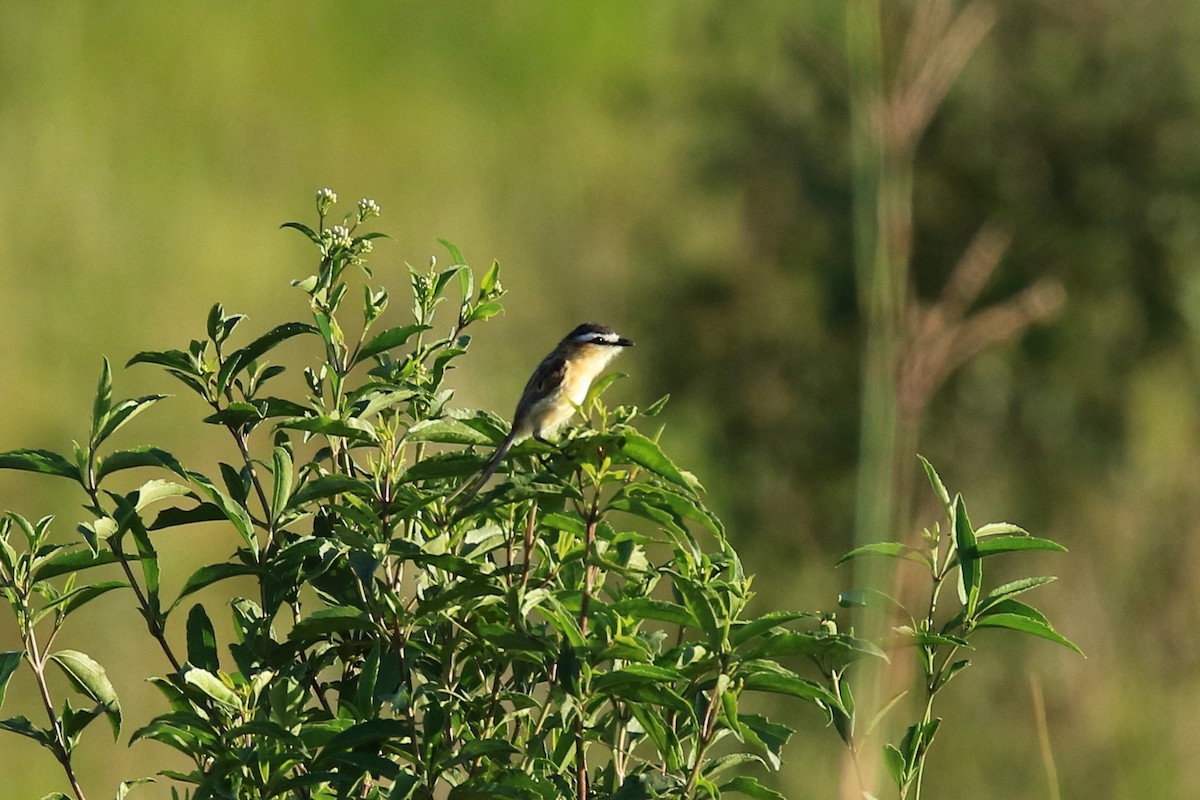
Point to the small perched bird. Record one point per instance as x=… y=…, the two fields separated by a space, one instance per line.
x=557 y=387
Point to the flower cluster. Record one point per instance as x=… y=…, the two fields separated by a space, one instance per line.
x=325 y=199
x=367 y=208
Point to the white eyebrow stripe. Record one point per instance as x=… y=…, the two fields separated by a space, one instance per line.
x=595 y=336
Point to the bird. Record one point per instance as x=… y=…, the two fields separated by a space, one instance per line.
x=558 y=386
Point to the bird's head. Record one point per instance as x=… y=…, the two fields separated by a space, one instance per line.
x=591 y=334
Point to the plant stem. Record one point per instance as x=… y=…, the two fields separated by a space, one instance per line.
x=61 y=753
x=152 y=622
x=585 y=602
x=707 y=727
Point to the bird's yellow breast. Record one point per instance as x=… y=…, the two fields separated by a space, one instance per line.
x=557 y=407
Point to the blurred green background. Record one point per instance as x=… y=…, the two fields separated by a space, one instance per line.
x=682 y=172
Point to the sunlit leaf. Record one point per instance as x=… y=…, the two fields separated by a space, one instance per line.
x=80 y=596
x=212 y=686
x=91 y=679
x=661 y=610
x=139 y=457
x=121 y=414
x=103 y=400
x=935 y=481
x=1015 y=615
x=888 y=550
x=645 y=452
x=970 y=571
x=767 y=676
x=391 y=338
x=1011 y=544
x=307 y=231
x=63 y=562
x=281 y=471
x=448 y=431
x=43 y=461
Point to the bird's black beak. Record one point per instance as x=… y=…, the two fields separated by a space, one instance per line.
x=623 y=342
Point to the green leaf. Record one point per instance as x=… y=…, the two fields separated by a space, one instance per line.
x=769 y=736
x=43 y=461
x=678 y=504
x=307 y=231
x=446 y=430
x=870 y=598
x=655 y=408
x=202 y=640
x=646 y=453
x=152 y=491
x=393 y=337
x=744 y=631
x=443 y=465
x=894 y=760
x=138 y=457
x=970 y=571
x=939 y=488
x=174 y=517
x=75 y=720
x=237 y=415
x=349 y=427
x=211 y=573
x=75 y=599
x=699 y=602
x=661 y=610
x=9 y=661
x=103 y=401
x=368 y=677
x=328 y=486
x=767 y=676
x=995 y=528
x=381 y=400
x=908 y=636
x=338 y=619
x=238 y=360
x=234 y=512
x=485 y=310
x=123 y=789
x=212 y=686
x=751 y=788
x=175 y=360
x=121 y=414
x=1017 y=616
x=888 y=550
x=1010 y=544
x=22 y=726
x=281 y=471
x=816 y=644
x=952 y=670
x=456 y=256
x=1012 y=589
x=633 y=674
x=91 y=679
x=490 y=283
x=213 y=324
x=365 y=733
x=67 y=561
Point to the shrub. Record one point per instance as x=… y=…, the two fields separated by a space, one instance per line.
x=578 y=630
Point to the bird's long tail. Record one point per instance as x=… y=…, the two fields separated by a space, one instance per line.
x=469 y=490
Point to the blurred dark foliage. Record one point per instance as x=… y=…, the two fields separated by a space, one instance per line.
x=1071 y=127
